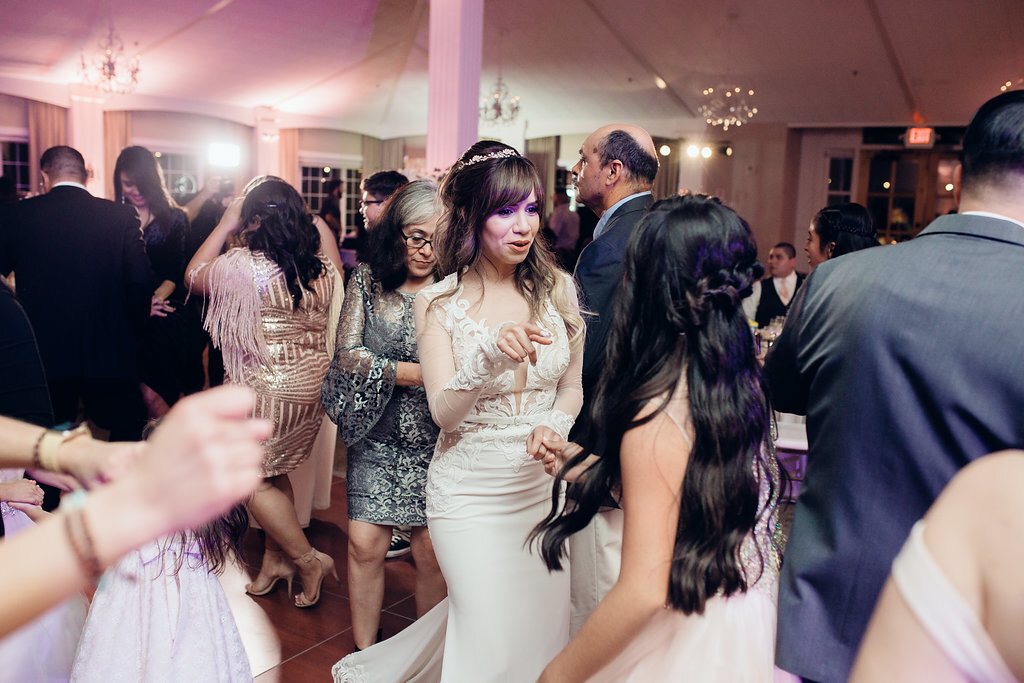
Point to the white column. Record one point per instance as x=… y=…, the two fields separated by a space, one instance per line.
x=85 y=133
x=456 y=50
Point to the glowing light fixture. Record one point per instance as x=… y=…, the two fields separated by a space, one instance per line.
x=693 y=151
x=224 y=154
x=705 y=152
x=664 y=150
x=660 y=82
x=727 y=105
x=499 y=106
x=109 y=69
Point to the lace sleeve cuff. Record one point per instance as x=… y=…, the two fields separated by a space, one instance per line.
x=485 y=363
x=561 y=422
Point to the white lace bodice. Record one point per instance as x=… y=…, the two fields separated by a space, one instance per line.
x=484 y=402
x=468 y=380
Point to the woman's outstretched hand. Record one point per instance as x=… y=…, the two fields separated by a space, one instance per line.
x=517 y=341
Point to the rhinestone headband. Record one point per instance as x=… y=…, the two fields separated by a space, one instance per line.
x=500 y=154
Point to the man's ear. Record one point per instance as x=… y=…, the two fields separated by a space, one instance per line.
x=614 y=171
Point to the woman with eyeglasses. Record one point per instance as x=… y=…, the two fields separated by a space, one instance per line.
x=374 y=392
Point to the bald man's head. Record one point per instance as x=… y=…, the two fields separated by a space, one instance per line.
x=616 y=161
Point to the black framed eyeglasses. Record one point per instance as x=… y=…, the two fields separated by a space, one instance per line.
x=366 y=202
x=417 y=241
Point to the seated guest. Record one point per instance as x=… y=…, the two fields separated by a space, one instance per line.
x=838 y=230
x=953 y=605
x=777 y=291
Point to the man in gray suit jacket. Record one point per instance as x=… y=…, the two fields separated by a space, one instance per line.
x=613 y=177
x=908 y=364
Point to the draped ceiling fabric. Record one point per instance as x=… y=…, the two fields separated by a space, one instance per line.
x=47 y=127
x=288 y=157
x=117 y=131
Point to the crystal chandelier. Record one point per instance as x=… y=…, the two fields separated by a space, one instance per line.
x=727 y=105
x=109 y=69
x=499 y=106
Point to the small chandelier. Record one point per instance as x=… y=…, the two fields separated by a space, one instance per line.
x=109 y=69
x=499 y=106
x=727 y=105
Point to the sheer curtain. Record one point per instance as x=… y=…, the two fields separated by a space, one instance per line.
x=392 y=154
x=117 y=131
x=543 y=152
x=288 y=157
x=373 y=155
x=47 y=127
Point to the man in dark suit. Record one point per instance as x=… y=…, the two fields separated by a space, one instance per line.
x=613 y=177
x=85 y=282
x=907 y=363
x=779 y=288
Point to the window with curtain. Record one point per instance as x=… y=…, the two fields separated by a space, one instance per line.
x=14 y=154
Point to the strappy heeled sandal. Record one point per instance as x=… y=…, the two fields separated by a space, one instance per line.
x=266 y=580
x=326 y=567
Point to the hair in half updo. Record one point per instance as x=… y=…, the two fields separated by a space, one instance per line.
x=689 y=264
x=283 y=229
x=471 y=192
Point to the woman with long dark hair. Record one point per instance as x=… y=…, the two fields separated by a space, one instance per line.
x=172 y=343
x=374 y=393
x=273 y=306
x=838 y=230
x=688 y=455
x=500 y=344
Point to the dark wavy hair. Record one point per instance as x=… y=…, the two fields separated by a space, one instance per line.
x=282 y=228
x=846 y=227
x=471 y=192
x=413 y=204
x=689 y=264
x=141 y=167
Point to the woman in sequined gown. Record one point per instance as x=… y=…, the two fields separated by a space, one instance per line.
x=273 y=306
x=683 y=406
x=172 y=342
x=374 y=393
x=500 y=343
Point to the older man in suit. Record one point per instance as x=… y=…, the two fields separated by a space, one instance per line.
x=85 y=282
x=907 y=363
x=613 y=177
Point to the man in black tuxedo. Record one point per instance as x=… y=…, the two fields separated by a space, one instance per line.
x=907 y=363
x=778 y=289
x=85 y=282
x=613 y=177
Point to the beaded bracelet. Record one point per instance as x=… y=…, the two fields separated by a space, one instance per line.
x=85 y=552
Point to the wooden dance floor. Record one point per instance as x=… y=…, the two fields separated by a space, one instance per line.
x=290 y=644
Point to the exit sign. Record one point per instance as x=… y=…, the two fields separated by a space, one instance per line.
x=920 y=137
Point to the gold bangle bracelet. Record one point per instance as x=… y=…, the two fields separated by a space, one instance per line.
x=44 y=455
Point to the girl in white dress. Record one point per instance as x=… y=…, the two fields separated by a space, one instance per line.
x=682 y=404
x=500 y=343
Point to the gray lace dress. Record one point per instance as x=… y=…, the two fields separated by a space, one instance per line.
x=387 y=428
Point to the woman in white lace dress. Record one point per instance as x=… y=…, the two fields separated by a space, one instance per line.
x=682 y=404
x=500 y=343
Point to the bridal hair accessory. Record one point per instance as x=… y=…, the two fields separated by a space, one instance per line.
x=500 y=154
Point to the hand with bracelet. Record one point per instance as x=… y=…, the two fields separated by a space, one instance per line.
x=204 y=457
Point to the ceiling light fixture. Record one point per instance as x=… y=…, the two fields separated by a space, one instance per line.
x=727 y=105
x=109 y=69
x=499 y=106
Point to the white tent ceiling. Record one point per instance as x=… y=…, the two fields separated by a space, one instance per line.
x=361 y=65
